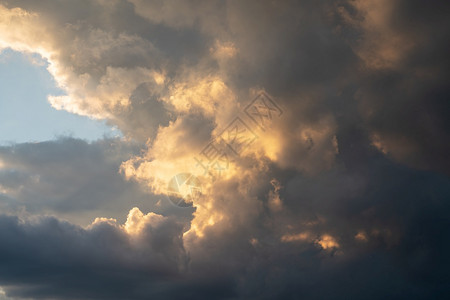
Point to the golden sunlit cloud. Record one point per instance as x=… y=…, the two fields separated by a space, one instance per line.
x=361 y=236
x=327 y=242
x=87 y=93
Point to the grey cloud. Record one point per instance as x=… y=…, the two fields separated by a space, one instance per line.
x=404 y=105
x=47 y=258
x=146 y=113
x=73 y=179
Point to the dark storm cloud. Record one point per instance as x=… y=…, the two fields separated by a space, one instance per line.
x=404 y=258
x=46 y=257
x=362 y=173
x=405 y=104
x=72 y=178
x=400 y=215
x=403 y=213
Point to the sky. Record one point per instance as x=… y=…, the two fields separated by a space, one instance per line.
x=25 y=114
x=224 y=149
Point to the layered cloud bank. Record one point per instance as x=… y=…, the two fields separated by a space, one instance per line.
x=337 y=187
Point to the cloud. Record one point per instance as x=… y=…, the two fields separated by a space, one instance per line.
x=401 y=97
x=105 y=254
x=341 y=194
x=73 y=179
x=98 y=69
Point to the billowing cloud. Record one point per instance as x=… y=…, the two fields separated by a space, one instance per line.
x=317 y=131
x=144 y=248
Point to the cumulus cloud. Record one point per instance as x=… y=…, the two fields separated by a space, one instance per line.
x=73 y=179
x=343 y=183
x=53 y=248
